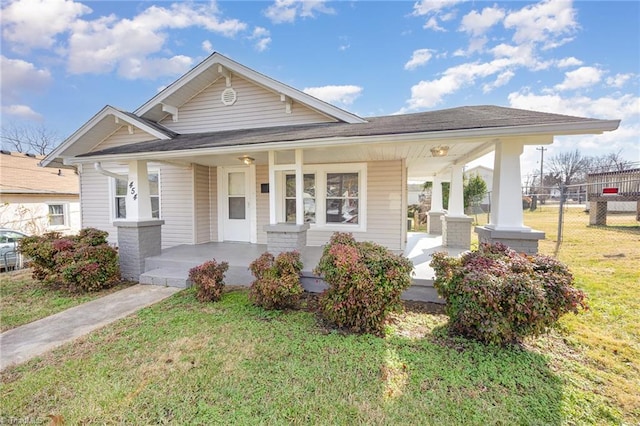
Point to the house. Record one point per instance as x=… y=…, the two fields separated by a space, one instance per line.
x=487 y=176
x=227 y=154
x=36 y=200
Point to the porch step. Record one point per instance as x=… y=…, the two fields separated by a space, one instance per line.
x=167 y=277
x=422 y=290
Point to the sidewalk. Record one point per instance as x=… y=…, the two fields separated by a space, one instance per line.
x=30 y=340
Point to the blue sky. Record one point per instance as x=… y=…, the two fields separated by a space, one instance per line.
x=62 y=61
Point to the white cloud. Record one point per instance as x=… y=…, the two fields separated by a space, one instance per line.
x=477 y=24
x=262 y=37
x=207 y=47
x=546 y=23
x=580 y=78
x=18 y=76
x=619 y=80
x=286 y=11
x=109 y=43
x=501 y=80
x=435 y=11
x=22 y=111
x=35 y=23
x=419 y=58
x=342 y=94
x=568 y=62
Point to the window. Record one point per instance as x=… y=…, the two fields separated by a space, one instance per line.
x=56 y=215
x=120 y=207
x=342 y=198
x=334 y=197
x=309 y=197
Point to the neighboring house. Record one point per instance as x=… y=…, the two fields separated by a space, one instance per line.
x=34 y=199
x=487 y=175
x=226 y=153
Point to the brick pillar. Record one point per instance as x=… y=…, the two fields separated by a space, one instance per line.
x=286 y=237
x=434 y=222
x=137 y=240
x=456 y=231
x=520 y=241
x=598 y=213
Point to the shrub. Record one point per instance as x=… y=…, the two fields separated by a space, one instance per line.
x=77 y=263
x=277 y=284
x=365 y=283
x=208 y=280
x=496 y=295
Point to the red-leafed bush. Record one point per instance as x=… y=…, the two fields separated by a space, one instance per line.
x=208 y=279
x=365 y=283
x=79 y=263
x=496 y=295
x=277 y=284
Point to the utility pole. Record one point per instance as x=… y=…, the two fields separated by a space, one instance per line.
x=542 y=149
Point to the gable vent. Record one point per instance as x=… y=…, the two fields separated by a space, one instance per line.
x=229 y=96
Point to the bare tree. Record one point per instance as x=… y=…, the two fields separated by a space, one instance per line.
x=25 y=138
x=612 y=162
x=569 y=167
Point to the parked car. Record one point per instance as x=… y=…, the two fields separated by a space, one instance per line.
x=9 y=258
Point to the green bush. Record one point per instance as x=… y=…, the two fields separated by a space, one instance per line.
x=365 y=283
x=79 y=263
x=496 y=295
x=277 y=284
x=208 y=279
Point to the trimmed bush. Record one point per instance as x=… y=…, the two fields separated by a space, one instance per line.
x=208 y=279
x=277 y=284
x=496 y=295
x=365 y=283
x=79 y=263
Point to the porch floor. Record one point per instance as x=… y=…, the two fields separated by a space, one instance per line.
x=171 y=267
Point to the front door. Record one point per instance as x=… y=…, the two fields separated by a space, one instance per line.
x=237 y=203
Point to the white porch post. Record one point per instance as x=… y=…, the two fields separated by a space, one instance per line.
x=299 y=188
x=506 y=205
x=434 y=216
x=436 y=195
x=272 y=188
x=138 y=199
x=456 y=192
x=506 y=222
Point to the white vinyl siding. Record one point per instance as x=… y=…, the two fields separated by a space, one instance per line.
x=213 y=202
x=176 y=195
x=262 y=203
x=122 y=137
x=201 y=204
x=255 y=107
x=384 y=208
x=96 y=202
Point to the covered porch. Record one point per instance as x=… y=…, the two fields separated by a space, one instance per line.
x=171 y=266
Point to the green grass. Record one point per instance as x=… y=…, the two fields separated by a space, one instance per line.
x=183 y=362
x=23 y=300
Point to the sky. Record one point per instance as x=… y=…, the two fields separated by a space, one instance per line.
x=63 y=60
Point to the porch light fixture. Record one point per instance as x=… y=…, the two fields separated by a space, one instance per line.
x=247 y=160
x=440 y=151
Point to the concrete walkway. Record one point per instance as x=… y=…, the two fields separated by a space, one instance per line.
x=30 y=340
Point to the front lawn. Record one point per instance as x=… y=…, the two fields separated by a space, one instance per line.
x=23 y=300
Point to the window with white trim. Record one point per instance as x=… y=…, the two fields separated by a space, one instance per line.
x=334 y=196
x=120 y=195
x=57 y=215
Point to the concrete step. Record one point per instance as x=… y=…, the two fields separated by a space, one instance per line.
x=158 y=262
x=167 y=277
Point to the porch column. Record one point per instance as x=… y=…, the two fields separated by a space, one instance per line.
x=272 y=188
x=506 y=220
x=456 y=226
x=139 y=235
x=434 y=217
x=299 y=189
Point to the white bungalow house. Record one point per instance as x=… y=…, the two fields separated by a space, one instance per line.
x=227 y=154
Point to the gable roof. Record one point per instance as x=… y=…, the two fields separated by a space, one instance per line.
x=218 y=66
x=468 y=121
x=101 y=125
x=21 y=175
